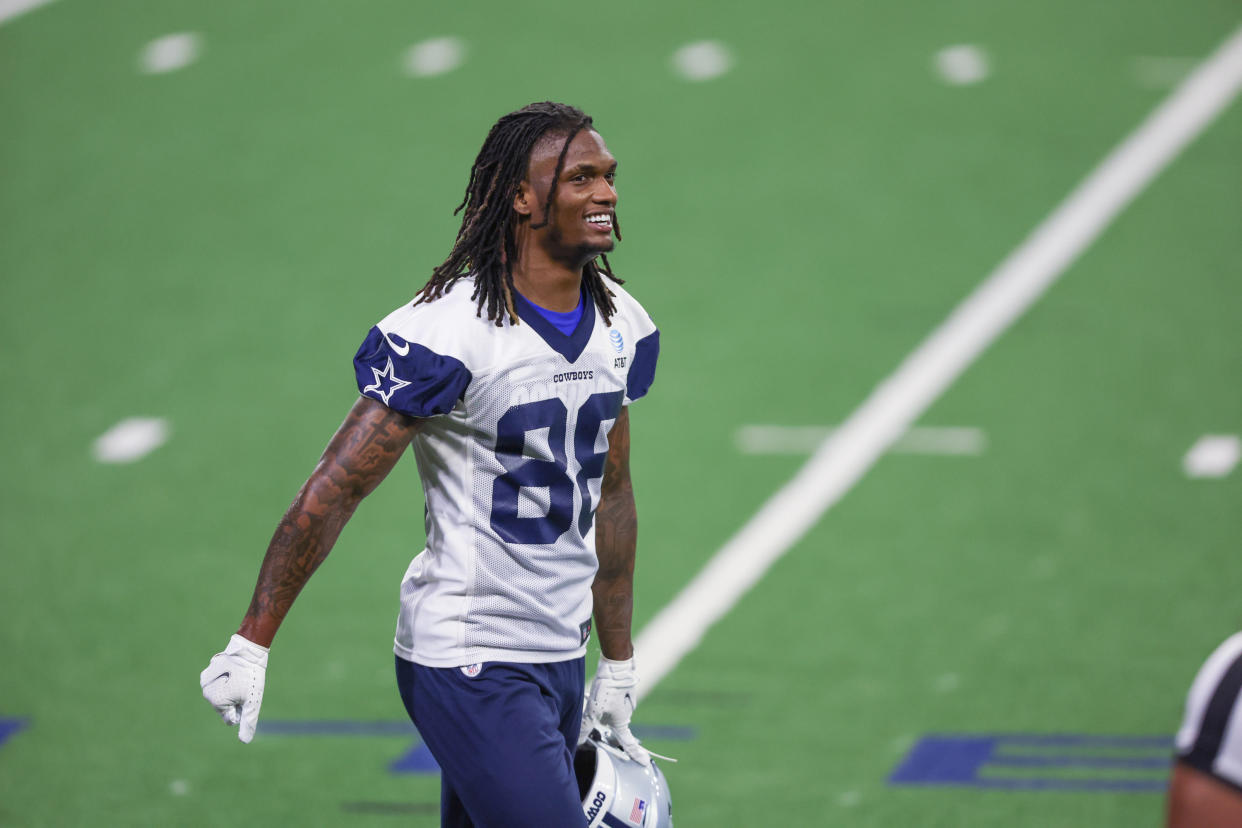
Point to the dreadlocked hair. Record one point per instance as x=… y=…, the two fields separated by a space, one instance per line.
x=485 y=245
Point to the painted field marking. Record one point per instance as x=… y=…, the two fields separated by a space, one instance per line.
x=901 y=398
x=170 y=53
x=962 y=65
x=10 y=727
x=12 y=8
x=433 y=57
x=1038 y=762
x=130 y=440
x=776 y=439
x=390 y=808
x=417 y=758
x=1212 y=455
x=703 y=60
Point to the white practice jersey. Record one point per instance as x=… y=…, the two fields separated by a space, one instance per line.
x=511 y=458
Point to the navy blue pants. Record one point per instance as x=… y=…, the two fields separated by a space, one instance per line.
x=504 y=738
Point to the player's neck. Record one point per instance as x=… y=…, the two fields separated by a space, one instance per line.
x=550 y=285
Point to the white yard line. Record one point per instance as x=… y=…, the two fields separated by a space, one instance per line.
x=781 y=439
x=170 y=53
x=130 y=440
x=12 y=8
x=1213 y=455
x=925 y=374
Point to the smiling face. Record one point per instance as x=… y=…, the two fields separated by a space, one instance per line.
x=578 y=225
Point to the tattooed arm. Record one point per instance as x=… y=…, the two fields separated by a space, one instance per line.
x=362 y=452
x=616 y=539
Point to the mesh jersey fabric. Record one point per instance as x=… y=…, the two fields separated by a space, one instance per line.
x=511 y=457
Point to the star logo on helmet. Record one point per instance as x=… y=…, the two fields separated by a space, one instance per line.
x=386 y=383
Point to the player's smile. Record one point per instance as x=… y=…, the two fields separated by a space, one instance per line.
x=582 y=217
x=600 y=221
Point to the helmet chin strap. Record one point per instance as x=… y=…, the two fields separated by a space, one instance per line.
x=605 y=736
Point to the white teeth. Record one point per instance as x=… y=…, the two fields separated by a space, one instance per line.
x=599 y=219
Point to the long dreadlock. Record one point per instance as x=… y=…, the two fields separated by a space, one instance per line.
x=485 y=244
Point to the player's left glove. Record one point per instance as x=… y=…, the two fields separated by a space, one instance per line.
x=611 y=703
x=233 y=684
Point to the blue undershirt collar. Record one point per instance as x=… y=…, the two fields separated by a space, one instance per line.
x=564 y=322
x=566 y=333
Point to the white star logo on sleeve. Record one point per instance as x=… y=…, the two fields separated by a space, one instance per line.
x=395 y=383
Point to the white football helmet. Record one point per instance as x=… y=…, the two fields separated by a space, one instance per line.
x=618 y=792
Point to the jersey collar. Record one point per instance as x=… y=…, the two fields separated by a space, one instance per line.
x=570 y=347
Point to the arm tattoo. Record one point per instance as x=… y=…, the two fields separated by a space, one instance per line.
x=616 y=541
x=360 y=455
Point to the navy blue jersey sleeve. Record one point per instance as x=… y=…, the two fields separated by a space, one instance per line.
x=642 y=371
x=407 y=377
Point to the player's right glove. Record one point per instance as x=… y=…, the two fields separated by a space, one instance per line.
x=233 y=684
x=611 y=703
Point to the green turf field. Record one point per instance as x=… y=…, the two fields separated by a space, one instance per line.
x=209 y=245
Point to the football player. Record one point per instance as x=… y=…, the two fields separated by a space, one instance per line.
x=511 y=374
x=1206 y=788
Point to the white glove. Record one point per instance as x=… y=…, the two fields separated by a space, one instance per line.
x=233 y=684
x=611 y=703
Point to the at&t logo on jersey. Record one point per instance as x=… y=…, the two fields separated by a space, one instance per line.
x=618 y=344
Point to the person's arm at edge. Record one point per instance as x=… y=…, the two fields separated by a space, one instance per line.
x=616 y=543
x=360 y=455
